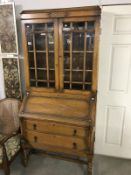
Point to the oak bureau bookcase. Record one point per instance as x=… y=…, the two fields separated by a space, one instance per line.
x=60 y=53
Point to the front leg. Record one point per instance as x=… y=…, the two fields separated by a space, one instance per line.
x=90 y=166
x=5 y=162
x=25 y=152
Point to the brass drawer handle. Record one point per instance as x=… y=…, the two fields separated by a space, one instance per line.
x=34 y=126
x=35 y=139
x=74 y=132
x=74 y=145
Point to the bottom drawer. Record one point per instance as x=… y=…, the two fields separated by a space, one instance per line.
x=59 y=150
x=42 y=139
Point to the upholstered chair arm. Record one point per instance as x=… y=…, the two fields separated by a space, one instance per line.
x=6 y=137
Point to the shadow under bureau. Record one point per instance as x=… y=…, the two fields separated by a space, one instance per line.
x=60 y=53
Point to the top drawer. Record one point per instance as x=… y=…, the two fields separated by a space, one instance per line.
x=55 y=128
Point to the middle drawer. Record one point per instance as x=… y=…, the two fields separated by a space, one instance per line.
x=55 y=128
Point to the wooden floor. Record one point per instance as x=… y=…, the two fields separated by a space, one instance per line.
x=40 y=165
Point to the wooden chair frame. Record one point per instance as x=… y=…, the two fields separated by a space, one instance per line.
x=5 y=165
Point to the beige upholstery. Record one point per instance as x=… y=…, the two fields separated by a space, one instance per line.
x=9 y=124
x=9 y=121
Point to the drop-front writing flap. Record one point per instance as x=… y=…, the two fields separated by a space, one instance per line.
x=63 y=107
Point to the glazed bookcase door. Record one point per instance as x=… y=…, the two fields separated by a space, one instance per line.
x=78 y=39
x=41 y=58
x=8 y=33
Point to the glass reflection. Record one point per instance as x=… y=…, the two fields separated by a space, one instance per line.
x=66 y=26
x=77 y=61
x=50 y=26
x=66 y=60
x=51 y=60
x=41 y=74
x=41 y=60
x=79 y=26
x=40 y=41
x=88 y=77
x=32 y=73
x=90 y=25
x=67 y=41
x=52 y=75
x=78 y=41
x=90 y=41
x=66 y=75
x=77 y=76
x=39 y=27
x=31 y=59
x=30 y=42
x=28 y=28
x=51 y=41
x=89 y=61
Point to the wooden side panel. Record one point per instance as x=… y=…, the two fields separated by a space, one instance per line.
x=95 y=56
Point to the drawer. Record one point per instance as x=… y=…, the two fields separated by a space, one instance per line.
x=43 y=139
x=58 y=150
x=55 y=128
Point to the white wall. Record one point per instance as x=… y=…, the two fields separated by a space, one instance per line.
x=47 y=4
